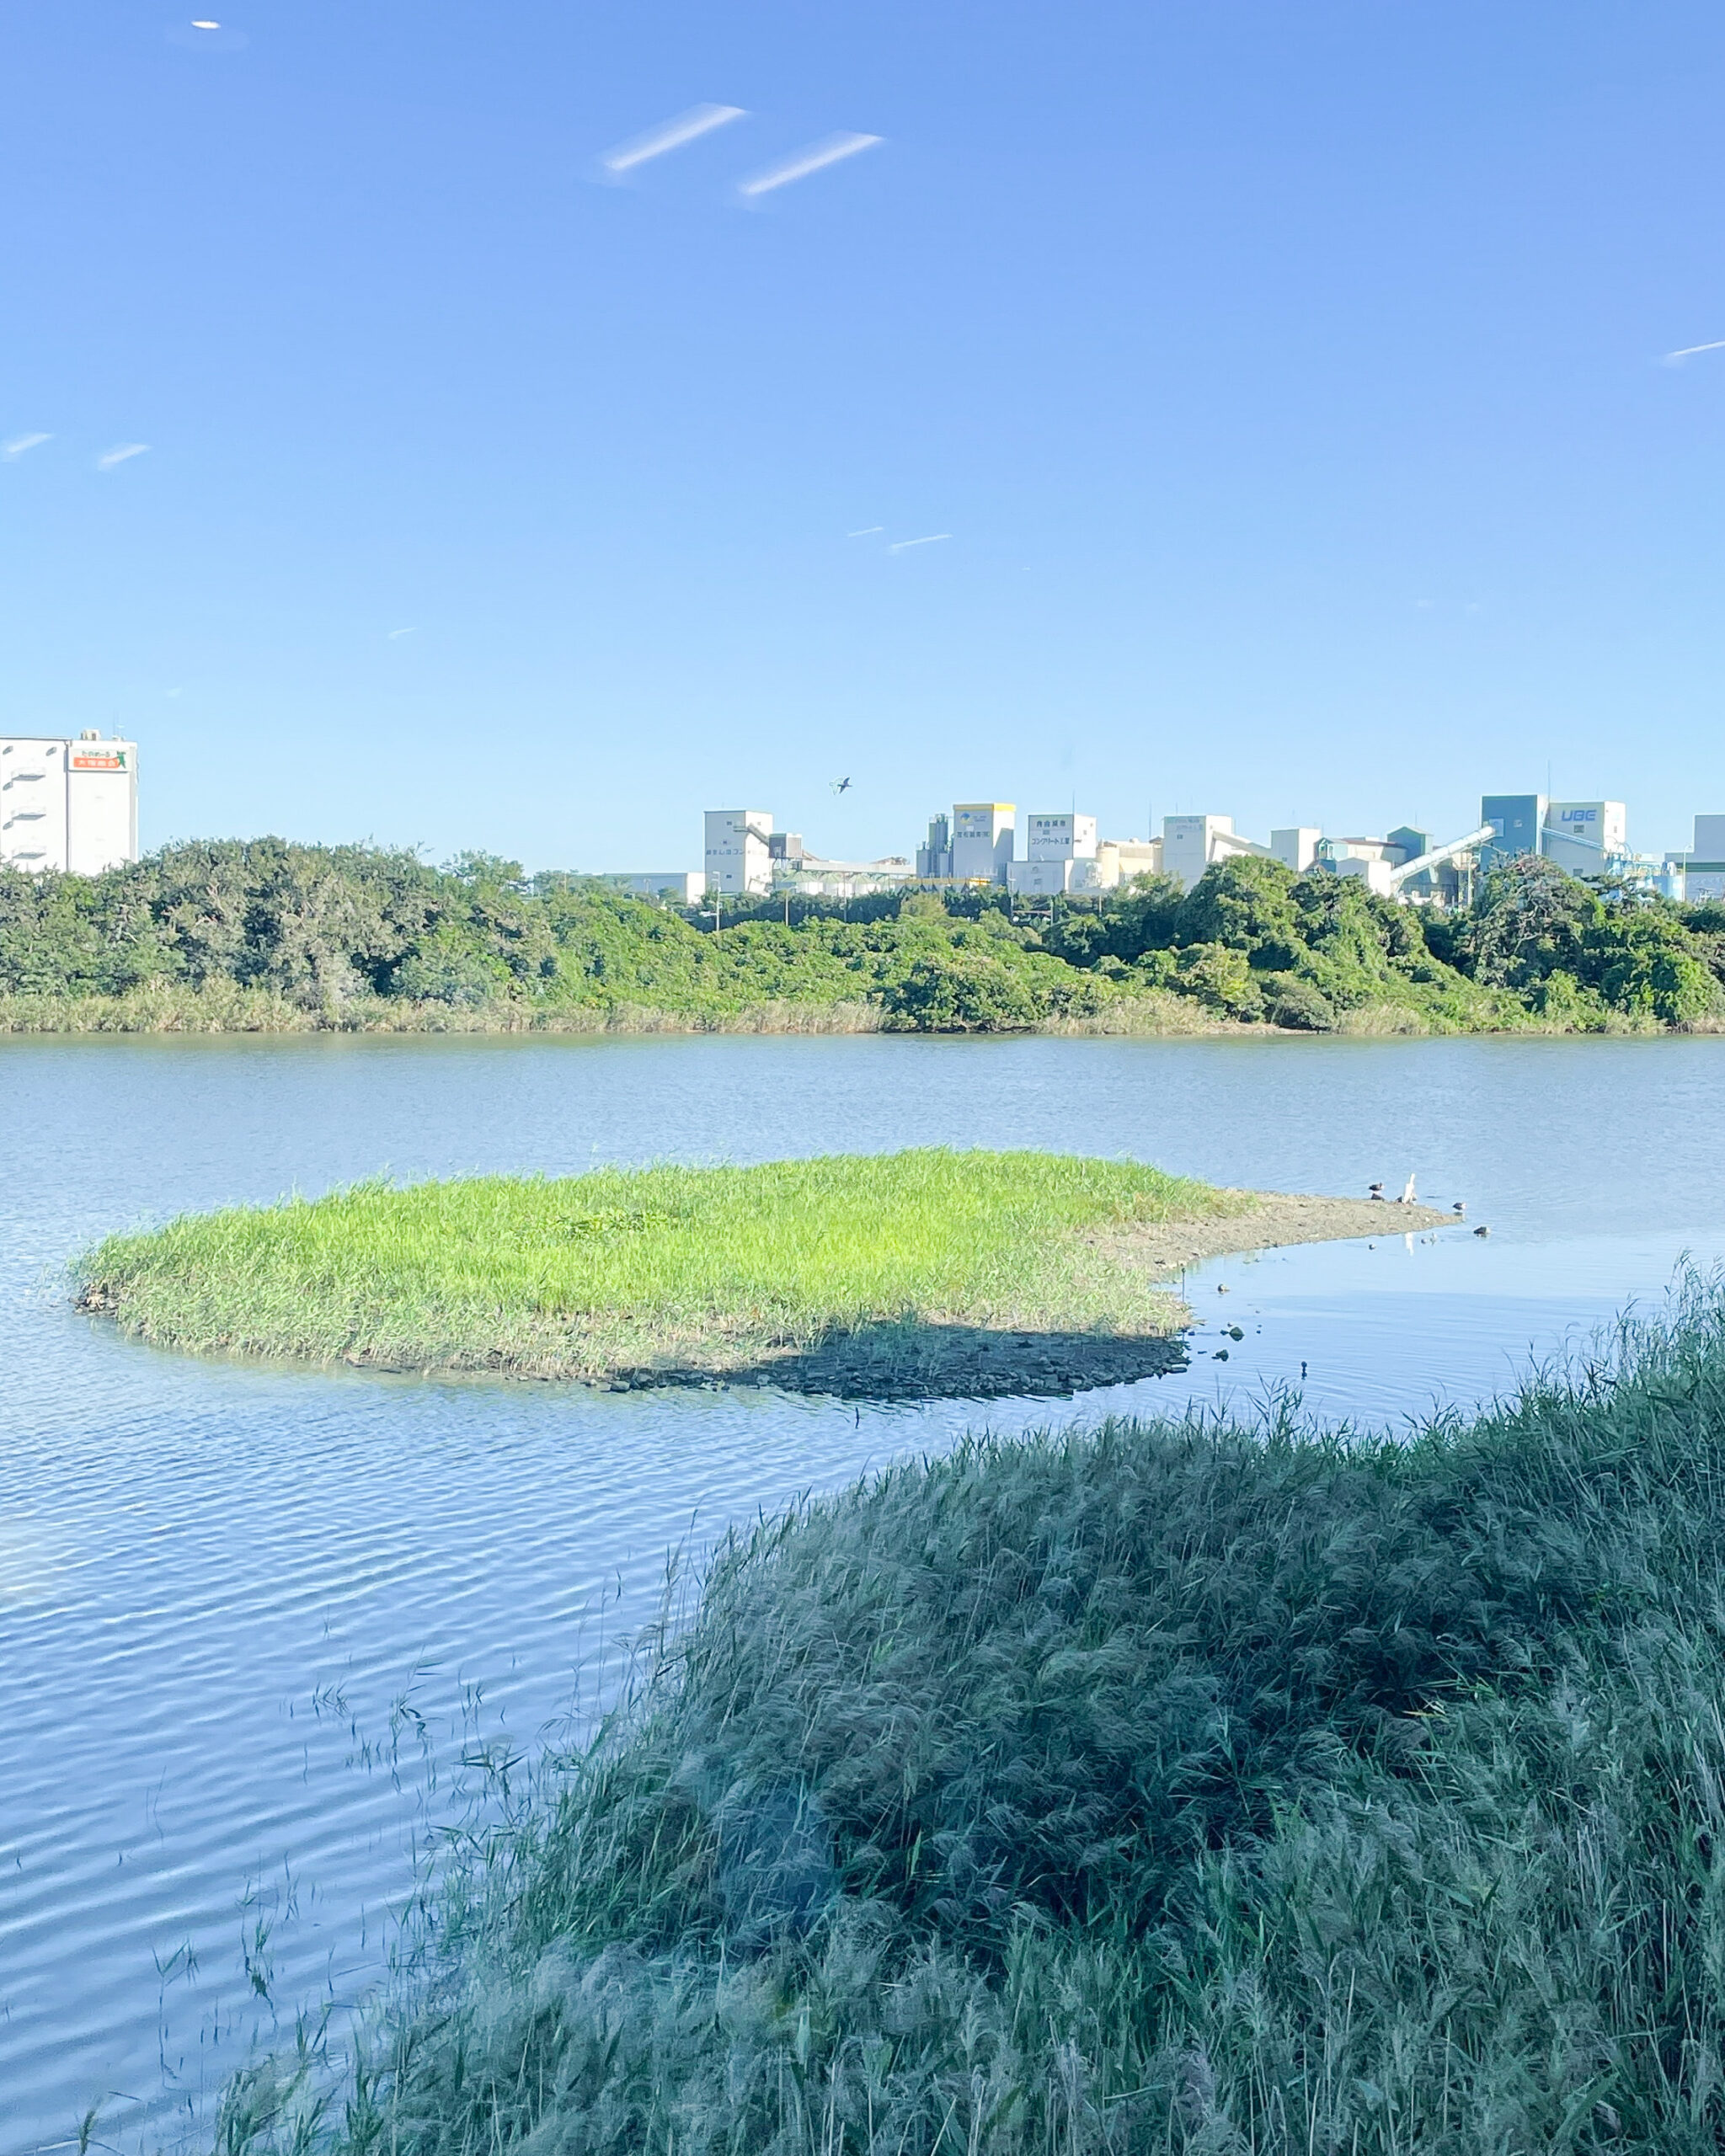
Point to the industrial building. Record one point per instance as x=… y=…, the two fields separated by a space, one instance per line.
x=68 y=805
x=1405 y=865
x=1581 y=835
x=1065 y=855
x=738 y=852
x=1118 y=860
x=983 y=837
x=934 y=857
x=1192 y=844
x=975 y=845
x=1585 y=838
x=1061 y=857
x=1699 y=874
x=680 y=887
x=747 y=859
x=1297 y=846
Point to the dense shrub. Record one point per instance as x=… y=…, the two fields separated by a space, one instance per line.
x=1218 y=976
x=1297 y=1005
x=342 y=930
x=962 y=992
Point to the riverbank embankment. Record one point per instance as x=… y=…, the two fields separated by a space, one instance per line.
x=1165 y=1785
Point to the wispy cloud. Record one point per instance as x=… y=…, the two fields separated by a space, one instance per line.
x=816 y=158
x=394 y=634
x=670 y=135
x=120 y=453
x=867 y=532
x=929 y=539
x=1688 y=352
x=20 y=443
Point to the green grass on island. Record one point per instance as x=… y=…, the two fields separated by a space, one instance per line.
x=905 y=1272
x=1168 y=1789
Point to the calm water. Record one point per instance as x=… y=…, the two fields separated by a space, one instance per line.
x=249 y=1619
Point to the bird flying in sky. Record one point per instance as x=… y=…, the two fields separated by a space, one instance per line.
x=841 y=785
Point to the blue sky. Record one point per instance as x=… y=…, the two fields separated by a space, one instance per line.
x=1288 y=378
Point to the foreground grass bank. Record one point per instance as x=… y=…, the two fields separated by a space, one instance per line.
x=1166 y=1788
x=899 y=1274
x=890 y=1273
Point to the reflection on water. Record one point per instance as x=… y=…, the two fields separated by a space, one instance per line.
x=248 y=1617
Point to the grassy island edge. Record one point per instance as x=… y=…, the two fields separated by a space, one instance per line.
x=927 y=1273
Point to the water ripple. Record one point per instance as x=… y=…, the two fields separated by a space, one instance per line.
x=251 y=1618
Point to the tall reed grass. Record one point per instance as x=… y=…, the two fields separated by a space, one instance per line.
x=222 y=1006
x=1171 y=1787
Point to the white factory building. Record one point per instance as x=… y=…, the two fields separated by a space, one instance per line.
x=1583 y=835
x=1699 y=874
x=747 y=859
x=740 y=852
x=1060 y=857
x=977 y=844
x=68 y=805
x=680 y=887
x=1065 y=855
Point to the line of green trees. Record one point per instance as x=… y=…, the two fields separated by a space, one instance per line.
x=337 y=933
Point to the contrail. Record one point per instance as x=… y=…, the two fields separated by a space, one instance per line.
x=899 y=546
x=801 y=163
x=670 y=135
x=1689 y=351
x=119 y=454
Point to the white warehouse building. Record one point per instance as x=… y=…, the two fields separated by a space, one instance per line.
x=983 y=835
x=68 y=805
x=1583 y=836
x=1699 y=875
x=1061 y=857
x=738 y=852
x=1192 y=844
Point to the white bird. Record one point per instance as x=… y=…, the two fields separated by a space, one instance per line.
x=1407 y=1196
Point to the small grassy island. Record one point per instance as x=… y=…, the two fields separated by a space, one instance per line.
x=899 y=1275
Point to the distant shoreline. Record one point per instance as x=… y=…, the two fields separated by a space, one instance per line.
x=239 y=1013
x=265 y=936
